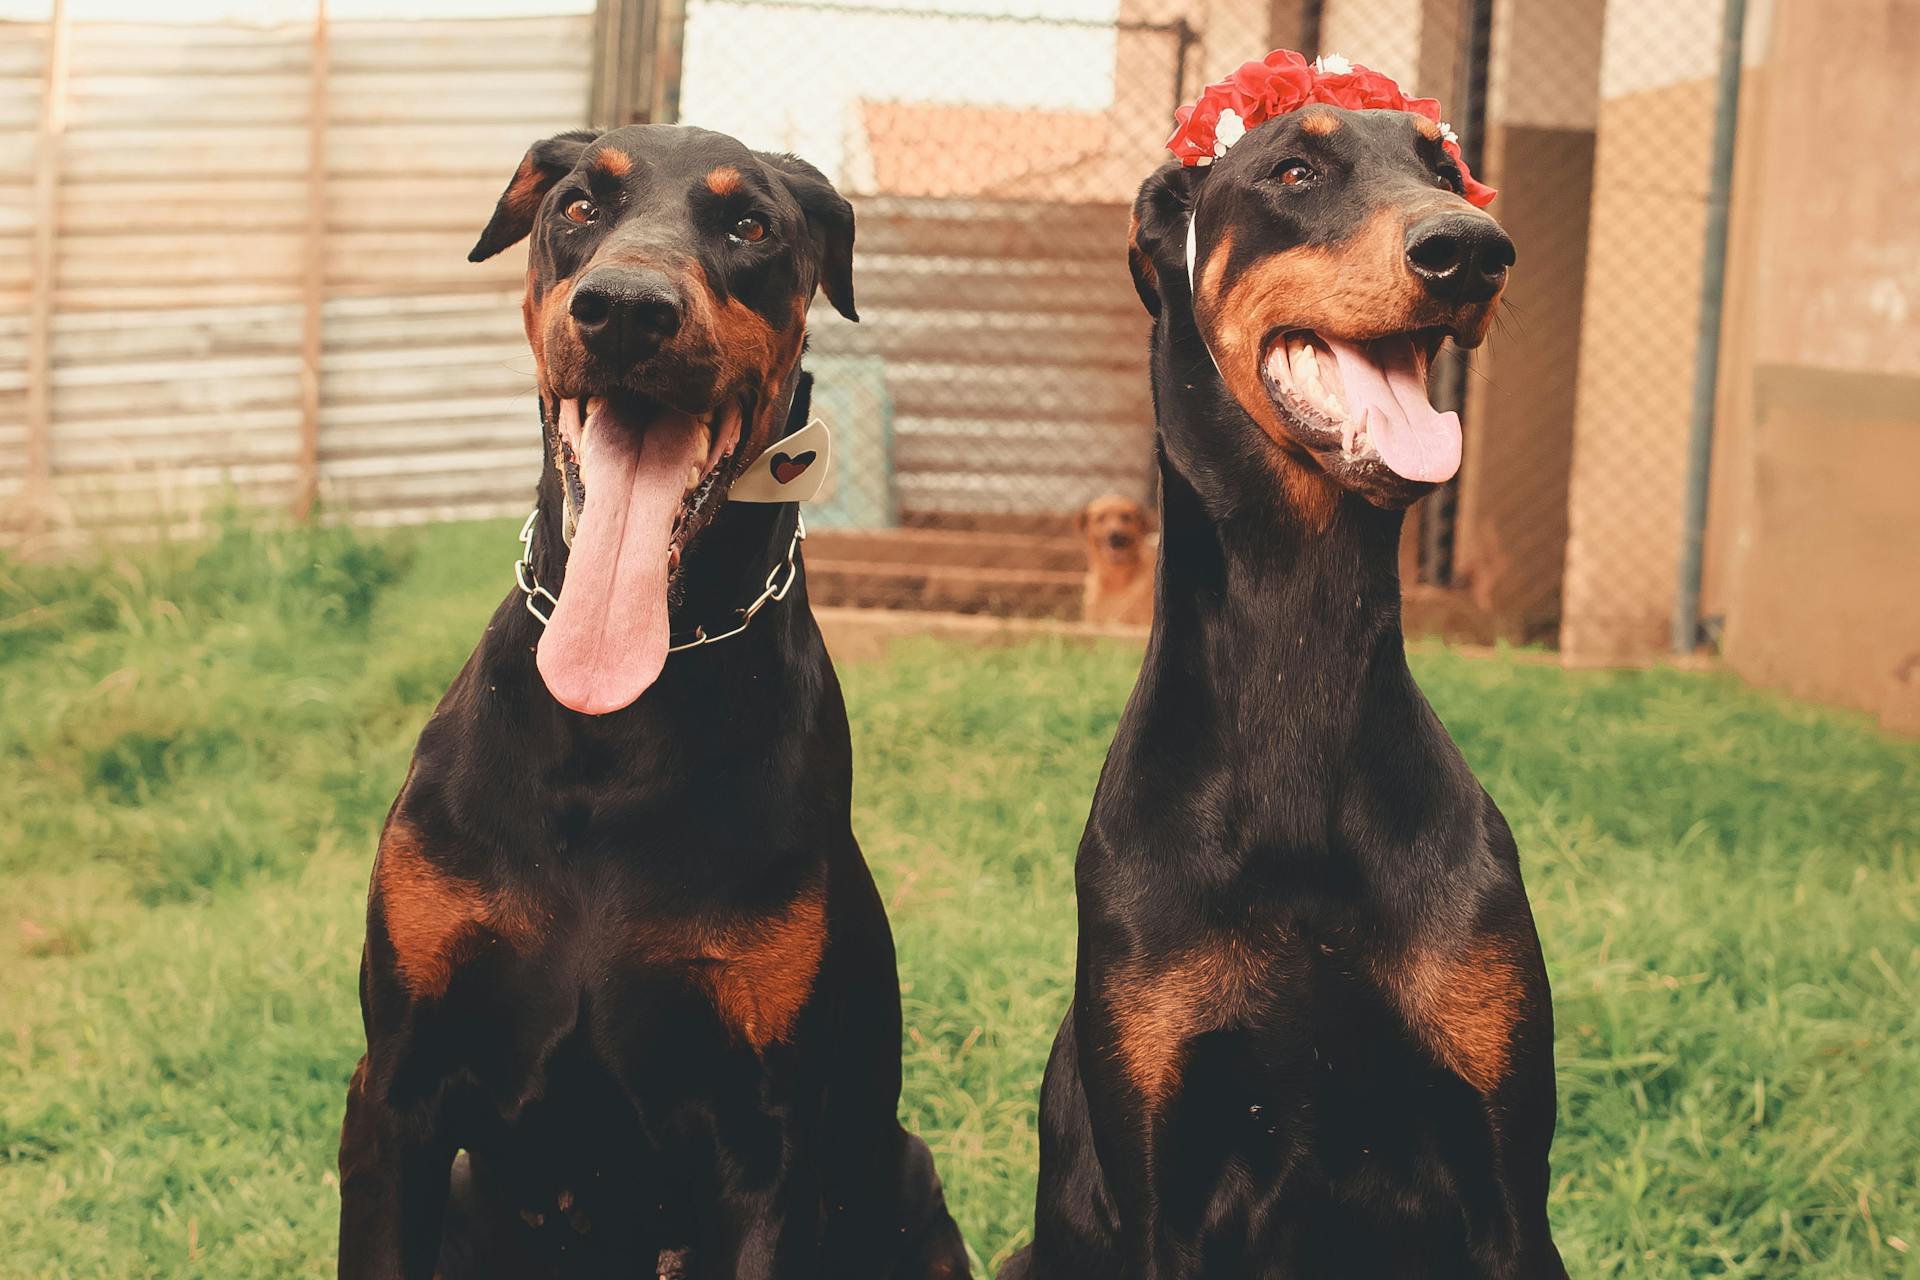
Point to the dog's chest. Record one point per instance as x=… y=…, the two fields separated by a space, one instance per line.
x=1303 y=1006
x=539 y=945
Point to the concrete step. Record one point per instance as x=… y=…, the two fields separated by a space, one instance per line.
x=944 y=588
x=972 y=548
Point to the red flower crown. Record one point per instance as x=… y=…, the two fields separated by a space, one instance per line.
x=1284 y=81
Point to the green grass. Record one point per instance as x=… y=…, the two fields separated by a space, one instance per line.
x=196 y=748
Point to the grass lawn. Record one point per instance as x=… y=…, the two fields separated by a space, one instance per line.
x=196 y=749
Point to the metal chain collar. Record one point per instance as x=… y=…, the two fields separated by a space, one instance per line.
x=776 y=588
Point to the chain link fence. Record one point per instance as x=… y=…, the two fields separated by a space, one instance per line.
x=999 y=381
x=996 y=382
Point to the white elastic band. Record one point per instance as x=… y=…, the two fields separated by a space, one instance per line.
x=1193 y=291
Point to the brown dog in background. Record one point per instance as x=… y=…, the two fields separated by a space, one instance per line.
x=1119 y=568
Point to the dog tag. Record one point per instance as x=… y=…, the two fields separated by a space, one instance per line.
x=791 y=470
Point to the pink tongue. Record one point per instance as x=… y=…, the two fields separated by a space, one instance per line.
x=607 y=639
x=1386 y=392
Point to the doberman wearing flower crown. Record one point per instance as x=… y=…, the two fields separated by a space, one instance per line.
x=1311 y=1035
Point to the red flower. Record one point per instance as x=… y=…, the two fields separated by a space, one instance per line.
x=1193 y=130
x=1478 y=194
x=1278 y=83
x=1285 y=81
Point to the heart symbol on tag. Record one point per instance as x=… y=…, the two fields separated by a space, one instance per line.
x=788 y=468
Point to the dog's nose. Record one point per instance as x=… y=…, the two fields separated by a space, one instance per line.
x=1118 y=541
x=1460 y=257
x=625 y=313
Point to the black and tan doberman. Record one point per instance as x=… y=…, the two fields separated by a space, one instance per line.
x=1311 y=1034
x=629 y=992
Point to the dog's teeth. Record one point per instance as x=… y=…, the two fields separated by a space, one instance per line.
x=1305 y=371
x=693 y=476
x=1305 y=368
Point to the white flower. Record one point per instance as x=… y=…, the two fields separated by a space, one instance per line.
x=1229 y=131
x=1447 y=134
x=1332 y=64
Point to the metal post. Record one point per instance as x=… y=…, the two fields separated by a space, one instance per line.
x=1438 y=513
x=1185 y=40
x=669 y=39
x=1706 y=365
x=43 y=262
x=636 y=62
x=313 y=282
x=1312 y=18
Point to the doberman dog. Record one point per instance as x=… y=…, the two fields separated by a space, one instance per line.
x=1310 y=1033
x=629 y=991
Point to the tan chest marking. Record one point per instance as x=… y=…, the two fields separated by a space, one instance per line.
x=1463 y=1003
x=1158 y=1007
x=435 y=921
x=759 y=971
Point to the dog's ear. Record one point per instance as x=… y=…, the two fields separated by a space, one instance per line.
x=545 y=163
x=829 y=219
x=1148 y=524
x=1080 y=517
x=1157 y=236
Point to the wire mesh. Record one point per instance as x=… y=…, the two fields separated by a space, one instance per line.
x=998 y=382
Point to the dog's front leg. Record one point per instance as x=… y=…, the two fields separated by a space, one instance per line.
x=393 y=1191
x=770 y=1234
x=1126 y=1129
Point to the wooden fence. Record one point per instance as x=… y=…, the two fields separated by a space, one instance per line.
x=193 y=312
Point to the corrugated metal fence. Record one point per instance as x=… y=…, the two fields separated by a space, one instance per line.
x=192 y=238
x=1011 y=342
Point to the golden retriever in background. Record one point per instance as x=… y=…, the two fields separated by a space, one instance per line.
x=1119 y=566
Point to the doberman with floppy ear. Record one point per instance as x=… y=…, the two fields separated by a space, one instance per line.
x=622 y=950
x=1311 y=1034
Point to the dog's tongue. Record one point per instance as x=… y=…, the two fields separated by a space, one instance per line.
x=1386 y=392
x=607 y=639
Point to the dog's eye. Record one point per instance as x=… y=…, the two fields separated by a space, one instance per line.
x=1295 y=172
x=1449 y=178
x=581 y=211
x=749 y=230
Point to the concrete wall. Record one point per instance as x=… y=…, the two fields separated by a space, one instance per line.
x=1639 y=325
x=1817 y=553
